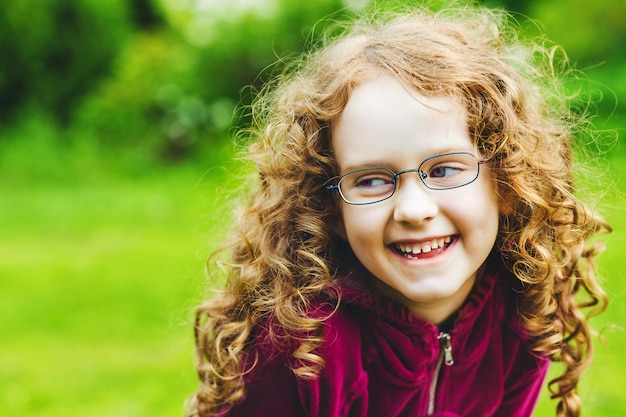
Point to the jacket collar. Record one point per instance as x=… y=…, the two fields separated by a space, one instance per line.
x=487 y=301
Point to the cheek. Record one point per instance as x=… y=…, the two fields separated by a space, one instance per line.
x=359 y=223
x=479 y=210
x=487 y=217
x=350 y=221
x=488 y=195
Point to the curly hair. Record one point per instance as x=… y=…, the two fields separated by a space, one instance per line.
x=284 y=252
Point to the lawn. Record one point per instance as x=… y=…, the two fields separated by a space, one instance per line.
x=98 y=278
x=99 y=274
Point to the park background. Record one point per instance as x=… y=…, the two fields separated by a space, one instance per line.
x=116 y=182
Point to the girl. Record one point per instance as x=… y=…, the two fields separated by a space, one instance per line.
x=413 y=246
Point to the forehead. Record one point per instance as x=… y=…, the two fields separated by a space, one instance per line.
x=386 y=122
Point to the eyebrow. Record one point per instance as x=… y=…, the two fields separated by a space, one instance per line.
x=380 y=163
x=356 y=167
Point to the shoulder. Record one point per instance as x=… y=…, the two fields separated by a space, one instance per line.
x=491 y=315
x=342 y=334
x=342 y=382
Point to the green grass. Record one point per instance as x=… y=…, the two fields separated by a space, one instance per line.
x=99 y=273
x=98 y=278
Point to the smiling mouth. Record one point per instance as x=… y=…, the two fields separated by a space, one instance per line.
x=423 y=249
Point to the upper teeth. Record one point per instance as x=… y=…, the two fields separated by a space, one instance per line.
x=423 y=247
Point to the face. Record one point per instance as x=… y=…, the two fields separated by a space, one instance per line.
x=423 y=247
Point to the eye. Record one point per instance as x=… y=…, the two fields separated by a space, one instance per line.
x=449 y=170
x=367 y=185
x=444 y=171
x=374 y=180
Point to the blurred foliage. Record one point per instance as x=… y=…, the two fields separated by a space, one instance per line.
x=55 y=53
x=180 y=86
x=164 y=77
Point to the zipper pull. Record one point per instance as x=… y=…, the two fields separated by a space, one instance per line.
x=446 y=347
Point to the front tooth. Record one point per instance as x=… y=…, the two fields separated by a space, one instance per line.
x=426 y=248
x=416 y=250
x=434 y=245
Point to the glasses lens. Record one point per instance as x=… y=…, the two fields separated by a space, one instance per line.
x=367 y=185
x=449 y=171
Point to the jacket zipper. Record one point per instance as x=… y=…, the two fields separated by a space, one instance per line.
x=445 y=357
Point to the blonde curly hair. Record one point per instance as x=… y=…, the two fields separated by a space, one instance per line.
x=284 y=252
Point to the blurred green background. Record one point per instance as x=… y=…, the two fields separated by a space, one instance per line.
x=115 y=179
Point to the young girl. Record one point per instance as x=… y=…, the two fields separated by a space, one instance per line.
x=413 y=245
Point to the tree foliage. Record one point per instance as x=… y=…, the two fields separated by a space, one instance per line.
x=54 y=53
x=164 y=77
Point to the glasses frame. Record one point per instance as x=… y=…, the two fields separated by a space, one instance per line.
x=421 y=174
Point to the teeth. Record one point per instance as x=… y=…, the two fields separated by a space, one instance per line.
x=424 y=247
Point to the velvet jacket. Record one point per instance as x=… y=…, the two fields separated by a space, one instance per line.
x=382 y=361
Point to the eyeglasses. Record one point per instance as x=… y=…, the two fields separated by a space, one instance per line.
x=440 y=172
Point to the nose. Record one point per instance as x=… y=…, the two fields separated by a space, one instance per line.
x=414 y=204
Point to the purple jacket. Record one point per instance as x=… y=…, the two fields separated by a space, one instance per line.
x=381 y=361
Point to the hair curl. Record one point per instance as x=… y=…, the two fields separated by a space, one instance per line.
x=284 y=252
